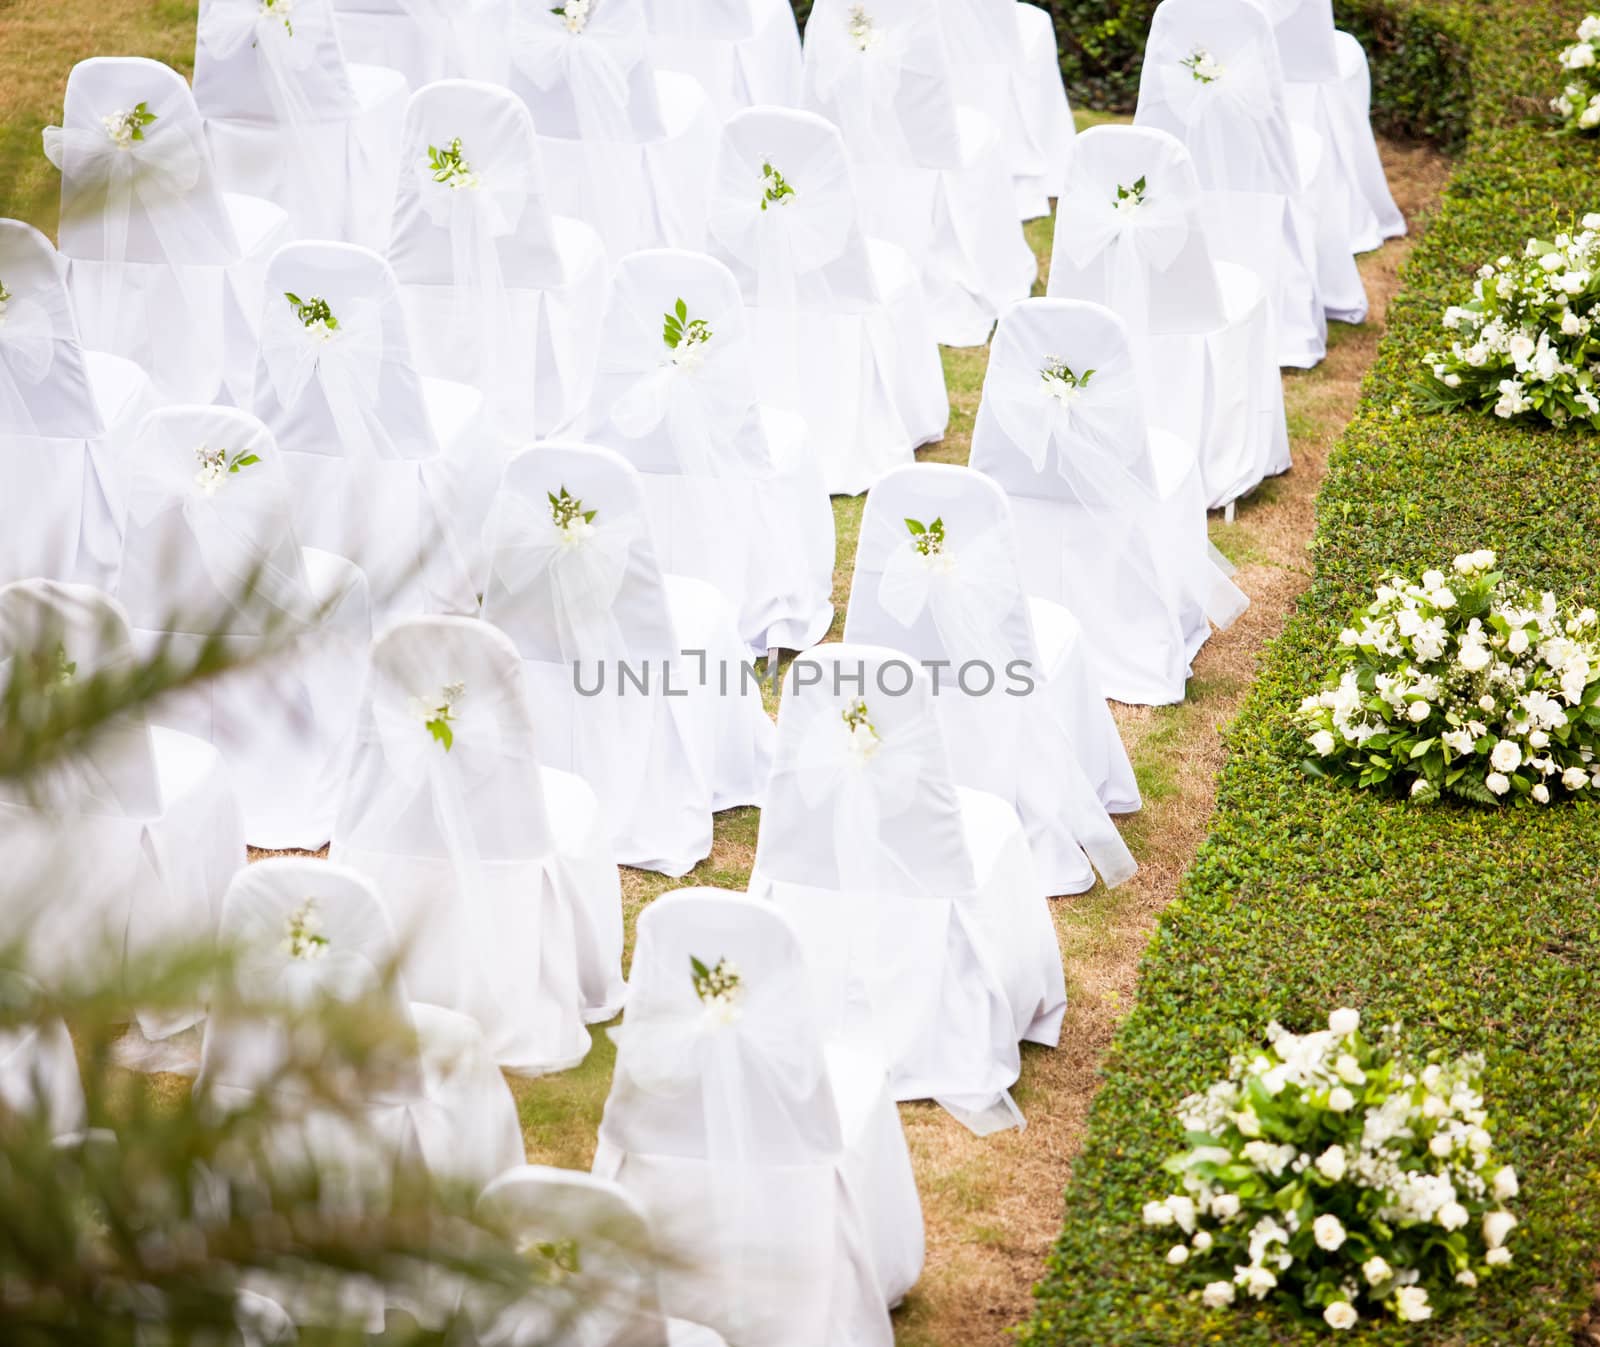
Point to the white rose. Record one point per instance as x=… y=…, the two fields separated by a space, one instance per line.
x=1505 y=1183
x=1473 y=656
x=1497 y=1257
x=1506 y=757
x=1248 y=1124
x=1217 y=1294
x=1178 y=1254
x=1541 y=793
x=1331 y=1163
x=1432 y=579
x=1340 y=1314
x=1538 y=739
x=1517 y=642
x=1375 y=1270
x=1182 y=1209
x=1340 y=1100
x=1225 y=1207
x=1574 y=778
x=1496 y=1226
x=1157 y=1213
x=1419 y=712
x=1258 y=1281
x=1452 y=1216
x=1411 y=1304
x=1328 y=1231
x=1201 y=1241
x=1342 y=1023
x=1349 y=1070
x=1441 y=1145
x=1466 y=1277
x=1497 y=783
x=1578 y=57
x=1323 y=742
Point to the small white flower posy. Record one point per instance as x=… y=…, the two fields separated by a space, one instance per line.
x=686 y=337
x=305 y=940
x=575 y=524
x=5 y=302
x=1061 y=382
x=575 y=15
x=1203 y=66
x=280 y=11
x=438 y=714
x=863 y=738
x=720 y=989
x=126 y=128
x=217 y=465
x=863 y=32
x=450 y=168
x=928 y=541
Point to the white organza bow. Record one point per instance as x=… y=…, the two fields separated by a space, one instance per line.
x=594 y=65
x=1100 y=417
x=861 y=82
x=1138 y=241
x=27 y=350
x=1240 y=83
x=227 y=26
x=968 y=589
x=346 y=363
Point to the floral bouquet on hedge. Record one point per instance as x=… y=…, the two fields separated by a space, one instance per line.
x=1456 y=685
x=1528 y=341
x=1578 y=104
x=1328 y=1172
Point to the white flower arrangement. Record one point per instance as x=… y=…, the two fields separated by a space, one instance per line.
x=1061 y=382
x=1203 y=67
x=305 y=940
x=280 y=10
x=1129 y=199
x=720 y=989
x=1526 y=343
x=5 y=301
x=863 y=738
x=438 y=714
x=575 y=14
x=126 y=128
x=863 y=32
x=576 y=524
x=1578 y=104
x=686 y=338
x=217 y=465
x=451 y=169
x=775 y=188
x=315 y=315
x=1457 y=686
x=1327 y=1170
x=928 y=541
x=554 y=1262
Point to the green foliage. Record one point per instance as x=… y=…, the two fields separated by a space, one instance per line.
x=312 y=311
x=1478 y=930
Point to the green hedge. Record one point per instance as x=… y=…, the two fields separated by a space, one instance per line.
x=1417 y=53
x=1478 y=930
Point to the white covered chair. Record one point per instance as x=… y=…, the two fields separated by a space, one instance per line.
x=744 y=53
x=1111 y=515
x=500 y=294
x=371 y=448
x=733 y=495
x=164 y=269
x=425 y=40
x=304 y=932
x=922 y=914
x=594 y=1235
x=1328 y=86
x=122 y=849
x=773 y=1171
x=641 y=682
x=840 y=323
x=39 y=1073
x=496 y=873
x=929 y=173
x=1008 y=64
x=287 y=118
x=1212 y=78
x=1203 y=331
x=67 y=419
x=1027 y=725
x=626 y=148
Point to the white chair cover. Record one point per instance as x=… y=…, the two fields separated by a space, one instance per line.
x=289 y=120
x=1111 y=517
x=929 y=173
x=425 y=40
x=733 y=495
x=367 y=443
x=163 y=268
x=496 y=873
x=640 y=679
x=1203 y=332
x=1211 y=76
x=500 y=294
x=304 y=931
x=595 y=1235
x=1007 y=64
x=39 y=1074
x=774 y=1173
x=211 y=553
x=67 y=418
x=1032 y=743
x=626 y=149
x=744 y=53
x=840 y=324
x=125 y=848
x=918 y=903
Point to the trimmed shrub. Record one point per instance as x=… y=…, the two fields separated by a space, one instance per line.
x=1476 y=930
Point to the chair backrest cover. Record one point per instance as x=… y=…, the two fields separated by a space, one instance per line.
x=584 y=70
x=1305 y=32
x=44 y=380
x=271 y=62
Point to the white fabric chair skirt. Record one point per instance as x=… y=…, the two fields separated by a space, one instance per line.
x=641 y=195
x=1327 y=213
x=1358 y=146
x=39 y=1077
x=1038 y=161
x=334 y=178
x=761 y=68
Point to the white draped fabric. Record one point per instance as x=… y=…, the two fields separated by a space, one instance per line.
x=39 y=1074
x=744 y=53
x=366 y=442
x=1203 y=332
x=1007 y=64
x=840 y=324
x=640 y=679
x=154 y=246
x=211 y=552
x=610 y=1291
x=627 y=149
x=1012 y=722
x=733 y=497
x=500 y=293
x=289 y=120
x=774 y=1174
x=67 y=418
x=425 y=40
x=929 y=173
x=496 y=873
x=121 y=849
x=1111 y=518
x=923 y=918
